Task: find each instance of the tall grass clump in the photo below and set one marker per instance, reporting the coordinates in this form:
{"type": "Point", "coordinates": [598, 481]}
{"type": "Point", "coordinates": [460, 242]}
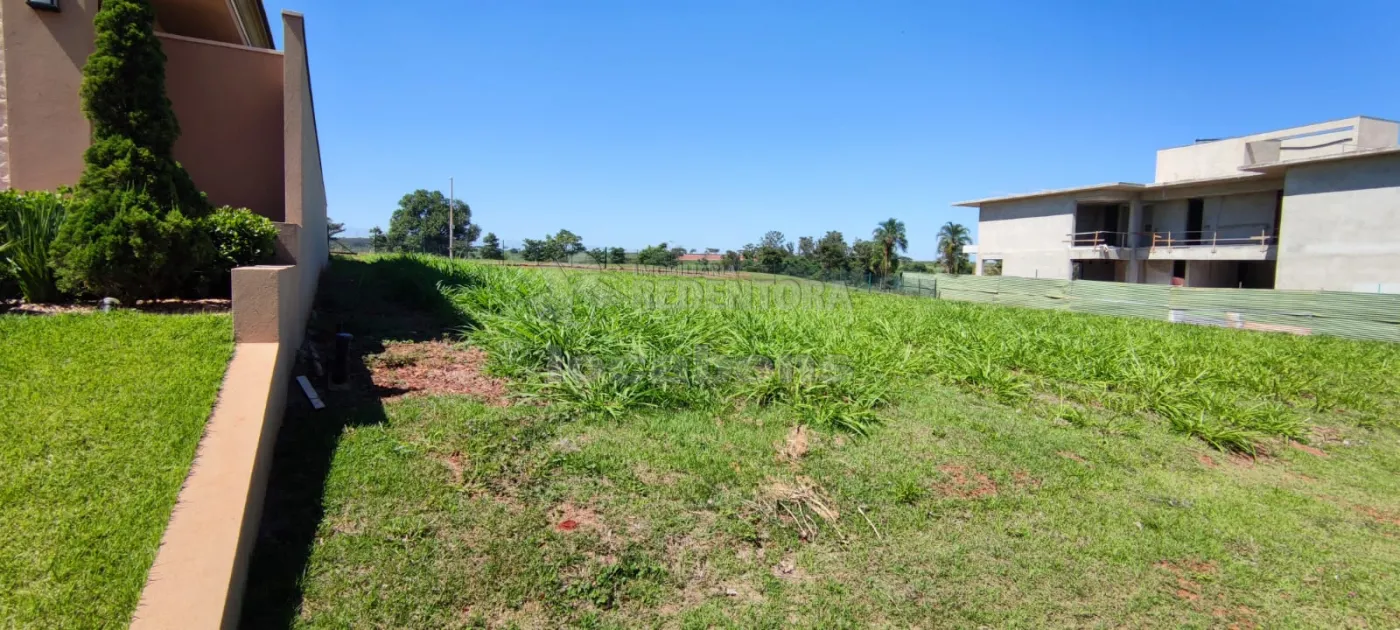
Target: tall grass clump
{"type": "Point", "coordinates": [610, 344]}
{"type": "Point", "coordinates": [29, 223]}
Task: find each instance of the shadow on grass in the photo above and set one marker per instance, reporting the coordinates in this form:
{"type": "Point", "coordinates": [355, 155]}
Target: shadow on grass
{"type": "Point", "coordinates": [386, 299]}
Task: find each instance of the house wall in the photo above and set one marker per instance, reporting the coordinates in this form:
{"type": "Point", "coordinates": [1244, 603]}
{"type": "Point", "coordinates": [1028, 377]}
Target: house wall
{"type": "Point", "coordinates": [1341, 226]}
{"type": "Point", "coordinates": [228, 100]}
{"type": "Point", "coordinates": [44, 56]}
{"type": "Point", "coordinates": [224, 97]}
{"type": "Point", "coordinates": [1029, 236]}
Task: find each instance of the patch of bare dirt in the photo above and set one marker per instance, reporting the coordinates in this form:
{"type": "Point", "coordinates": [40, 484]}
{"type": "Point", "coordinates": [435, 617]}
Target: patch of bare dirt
{"type": "Point", "coordinates": [1184, 570]}
{"type": "Point", "coordinates": [962, 484]}
{"type": "Point", "coordinates": [454, 465]}
{"type": "Point", "coordinates": [788, 569]}
{"type": "Point", "coordinates": [1072, 455]}
{"type": "Point", "coordinates": [172, 307]}
{"type": "Point", "coordinates": [1311, 450]}
{"type": "Point", "coordinates": [1378, 515]}
{"type": "Point", "coordinates": [567, 517]}
{"type": "Point", "coordinates": [799, 503]}
{"type": "Point", "coordinates": [650, 477]}
{"type": "Point", "coordinates": [1207, 461]}
{"type": "Point", "coordinates": [435, 368]}
{"type": "Point", "coordinates": [795, 445]}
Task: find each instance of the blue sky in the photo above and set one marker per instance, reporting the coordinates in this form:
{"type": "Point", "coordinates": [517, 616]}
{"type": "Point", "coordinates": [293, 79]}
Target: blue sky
{"type": "Point", "coordinates": [708, 123]}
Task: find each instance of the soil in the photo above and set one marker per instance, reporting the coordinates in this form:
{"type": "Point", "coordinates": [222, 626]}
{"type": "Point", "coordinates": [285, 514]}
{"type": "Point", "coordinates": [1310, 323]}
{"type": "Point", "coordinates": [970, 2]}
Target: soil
{"type": "Point", "coordinates": [962, 485]}
{"type": "Point", "coordinates": [1311, 450]}
{"type": "Point", "coordinates": [1071, 455]}
{"type": "Point", "coordinates": [792, 448]}
{"type": "Point", "coordinates": [567, 517]}
{"type": "Point", "coordinates": [435, 368]}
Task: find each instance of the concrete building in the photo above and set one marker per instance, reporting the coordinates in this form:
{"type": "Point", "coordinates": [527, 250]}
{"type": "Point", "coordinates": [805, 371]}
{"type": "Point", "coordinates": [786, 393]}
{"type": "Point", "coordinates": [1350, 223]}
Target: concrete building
{"type": "Point", "coordinates": [1311, 207]}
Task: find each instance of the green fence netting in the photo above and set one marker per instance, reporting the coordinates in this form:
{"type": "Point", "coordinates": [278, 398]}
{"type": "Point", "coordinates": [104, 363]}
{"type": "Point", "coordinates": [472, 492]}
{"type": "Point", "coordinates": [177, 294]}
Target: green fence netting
{"type": "Point", "coordinates": [1351, 315]}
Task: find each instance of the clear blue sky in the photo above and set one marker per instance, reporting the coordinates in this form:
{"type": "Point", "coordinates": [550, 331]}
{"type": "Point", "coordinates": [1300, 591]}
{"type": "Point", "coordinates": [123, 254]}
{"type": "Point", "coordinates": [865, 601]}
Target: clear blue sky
{"type": "Point", "coordinates": [708, 123]}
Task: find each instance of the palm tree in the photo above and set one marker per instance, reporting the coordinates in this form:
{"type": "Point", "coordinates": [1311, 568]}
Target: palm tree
{"type": "Point", "coordinates": [890, 234]}
{"type": "Point", "coordinates": [951, 239]}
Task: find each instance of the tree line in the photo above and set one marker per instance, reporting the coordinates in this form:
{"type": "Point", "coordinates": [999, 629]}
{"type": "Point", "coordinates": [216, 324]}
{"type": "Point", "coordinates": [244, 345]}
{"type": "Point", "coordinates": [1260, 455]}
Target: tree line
{"type": "Point", "coordinates": [420, 224]}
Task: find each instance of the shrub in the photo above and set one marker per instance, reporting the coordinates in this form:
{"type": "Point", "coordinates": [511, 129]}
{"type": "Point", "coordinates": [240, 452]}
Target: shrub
{"type": "Point", "coordinates": [29, 223]}
{"type": "Point", "coordinates": [133, 125]}
{"type": "Point", "coordinates": [126, 246]}
{"type": "Point", "coordinates": [132, 231]}
{"type": "Point", "coordinates": [241, 238]}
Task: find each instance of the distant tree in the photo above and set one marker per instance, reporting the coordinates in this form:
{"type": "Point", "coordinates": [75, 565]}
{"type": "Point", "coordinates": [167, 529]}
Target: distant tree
{"type": "Point", "coordinates": [991, 267]}
{"type": "Point", "coordinates": [773, 251]}
{"type": "Point", "coordinates": [711, 250]}
{"type": "Point", "coordinates": [567, 244]}
{"type": "Point", "coordinates": [731, 260]}
{"type": "Point", "coordinates": [599, 256]}
{"type": "Point", "coordinates": [378, 243]}
{"type": "Point", "coordinates": [491, 248]}
{"type": "Point", "coordinates": [420, 224]}
{"type": "Point", "coordinates": [806, 247]}
{"type": "Point", "coordinates": [890, 236]}
{"type": "Point", "coordinates": [660, 255]}
{"type": "Point", "coordinates": [952, 237]}
{"type": "Point", "coordinates": [617, 256]}
{"type": "Point", "coordinates": [832, 253]}
{"type": "Point", "coordinates": [333, 230]}
{"type": "Point", "coordinates": [866, 256]}
{"type": "Point", "coordinates": [537, 251]}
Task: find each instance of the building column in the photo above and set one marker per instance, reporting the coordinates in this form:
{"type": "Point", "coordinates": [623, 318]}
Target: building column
{"type": "Point", "coordinates": [978, 269]}
{"type": "Point", "coordinates": [1134, 226]}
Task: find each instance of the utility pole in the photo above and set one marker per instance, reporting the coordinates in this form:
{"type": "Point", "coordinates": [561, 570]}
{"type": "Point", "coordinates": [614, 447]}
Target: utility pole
{"type": "Point", "coordinates": [451, 211]}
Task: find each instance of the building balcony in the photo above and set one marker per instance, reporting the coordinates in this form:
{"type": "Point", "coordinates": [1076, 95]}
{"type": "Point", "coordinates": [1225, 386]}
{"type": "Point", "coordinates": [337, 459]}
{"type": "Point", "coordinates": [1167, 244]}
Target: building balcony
{"type": "Point", "coordinates": [1203, 245]}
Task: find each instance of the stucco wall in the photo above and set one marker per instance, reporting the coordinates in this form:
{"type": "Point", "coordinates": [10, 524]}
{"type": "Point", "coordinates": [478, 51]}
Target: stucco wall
{"type": "Point", "coordinates": [228, 100]}
{"type": "Point", "coordinates": [305, 194]}
{"type": "Point", "coordinates": [44, 54]}
{"type": "Point", "coordinates": [1029, 236]}
{"type": "Point", "coordinates": [1341, 226]}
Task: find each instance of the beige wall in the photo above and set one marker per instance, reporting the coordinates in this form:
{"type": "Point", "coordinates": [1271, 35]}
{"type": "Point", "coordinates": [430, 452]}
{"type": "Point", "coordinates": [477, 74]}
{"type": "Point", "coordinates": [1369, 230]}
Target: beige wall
{"type": "Point", "coordinates": [1341, 226]}
{"type": "Point", "coordinates": [229, 103]}
{"type": "Point", "coordinates": [44, 56]}
{"type": "Point", "coordinates": [305, 192]}
{"type": "Point", "coordinates": [228, 100]}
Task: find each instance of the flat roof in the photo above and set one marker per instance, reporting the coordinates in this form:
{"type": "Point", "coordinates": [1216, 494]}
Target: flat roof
{"type": "Point", "coordinates": [1109, 186]}
{"type": "Point", "coordinates": [1254, 172]}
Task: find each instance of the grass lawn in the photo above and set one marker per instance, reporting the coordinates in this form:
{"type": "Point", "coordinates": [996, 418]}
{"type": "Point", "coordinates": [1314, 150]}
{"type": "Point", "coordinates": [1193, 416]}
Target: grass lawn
{"type": "Point", "coordinates": [99, 419]}
{"type": "Point", "coordinates": [976, 466]}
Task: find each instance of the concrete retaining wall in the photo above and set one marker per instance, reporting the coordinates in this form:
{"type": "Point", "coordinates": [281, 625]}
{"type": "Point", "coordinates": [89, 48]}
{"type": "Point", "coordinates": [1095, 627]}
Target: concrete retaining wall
{"type": "Point", "coordinates": [199, 573]}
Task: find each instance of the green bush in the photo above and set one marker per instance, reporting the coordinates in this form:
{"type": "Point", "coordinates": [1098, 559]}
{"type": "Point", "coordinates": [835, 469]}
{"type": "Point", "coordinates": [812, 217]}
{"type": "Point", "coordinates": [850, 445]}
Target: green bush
{"type": "Point", "coordinates": [133, 229]}
{"type": "Point", "coordinates": [29, 223]}
{"type": "Point", "coordinates": [124, 245]}
{"type": "Point", "coordinates": [241, 237]}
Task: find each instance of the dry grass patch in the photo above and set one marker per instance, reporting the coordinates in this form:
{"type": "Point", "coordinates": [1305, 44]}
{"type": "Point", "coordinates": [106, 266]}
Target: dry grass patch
{"type": "Point", "coordinates": [435, 368]}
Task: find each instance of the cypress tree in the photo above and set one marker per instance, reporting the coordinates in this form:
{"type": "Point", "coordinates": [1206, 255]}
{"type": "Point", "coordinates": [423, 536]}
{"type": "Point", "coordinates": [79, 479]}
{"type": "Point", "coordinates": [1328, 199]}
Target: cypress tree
{"type": "Point", "coordinates": [134, 230]}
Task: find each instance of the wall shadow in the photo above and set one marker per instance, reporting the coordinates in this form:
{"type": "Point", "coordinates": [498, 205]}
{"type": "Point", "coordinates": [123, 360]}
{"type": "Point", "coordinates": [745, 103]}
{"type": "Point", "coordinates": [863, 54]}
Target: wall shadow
{"type": "Point", "coordinates": [385, 299]}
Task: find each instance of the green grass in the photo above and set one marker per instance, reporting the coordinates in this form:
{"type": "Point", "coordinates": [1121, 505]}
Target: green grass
{"type": "Point", "coordinates": [973, 466]}
{"type": "Point", "coordinates": [99, 419]}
